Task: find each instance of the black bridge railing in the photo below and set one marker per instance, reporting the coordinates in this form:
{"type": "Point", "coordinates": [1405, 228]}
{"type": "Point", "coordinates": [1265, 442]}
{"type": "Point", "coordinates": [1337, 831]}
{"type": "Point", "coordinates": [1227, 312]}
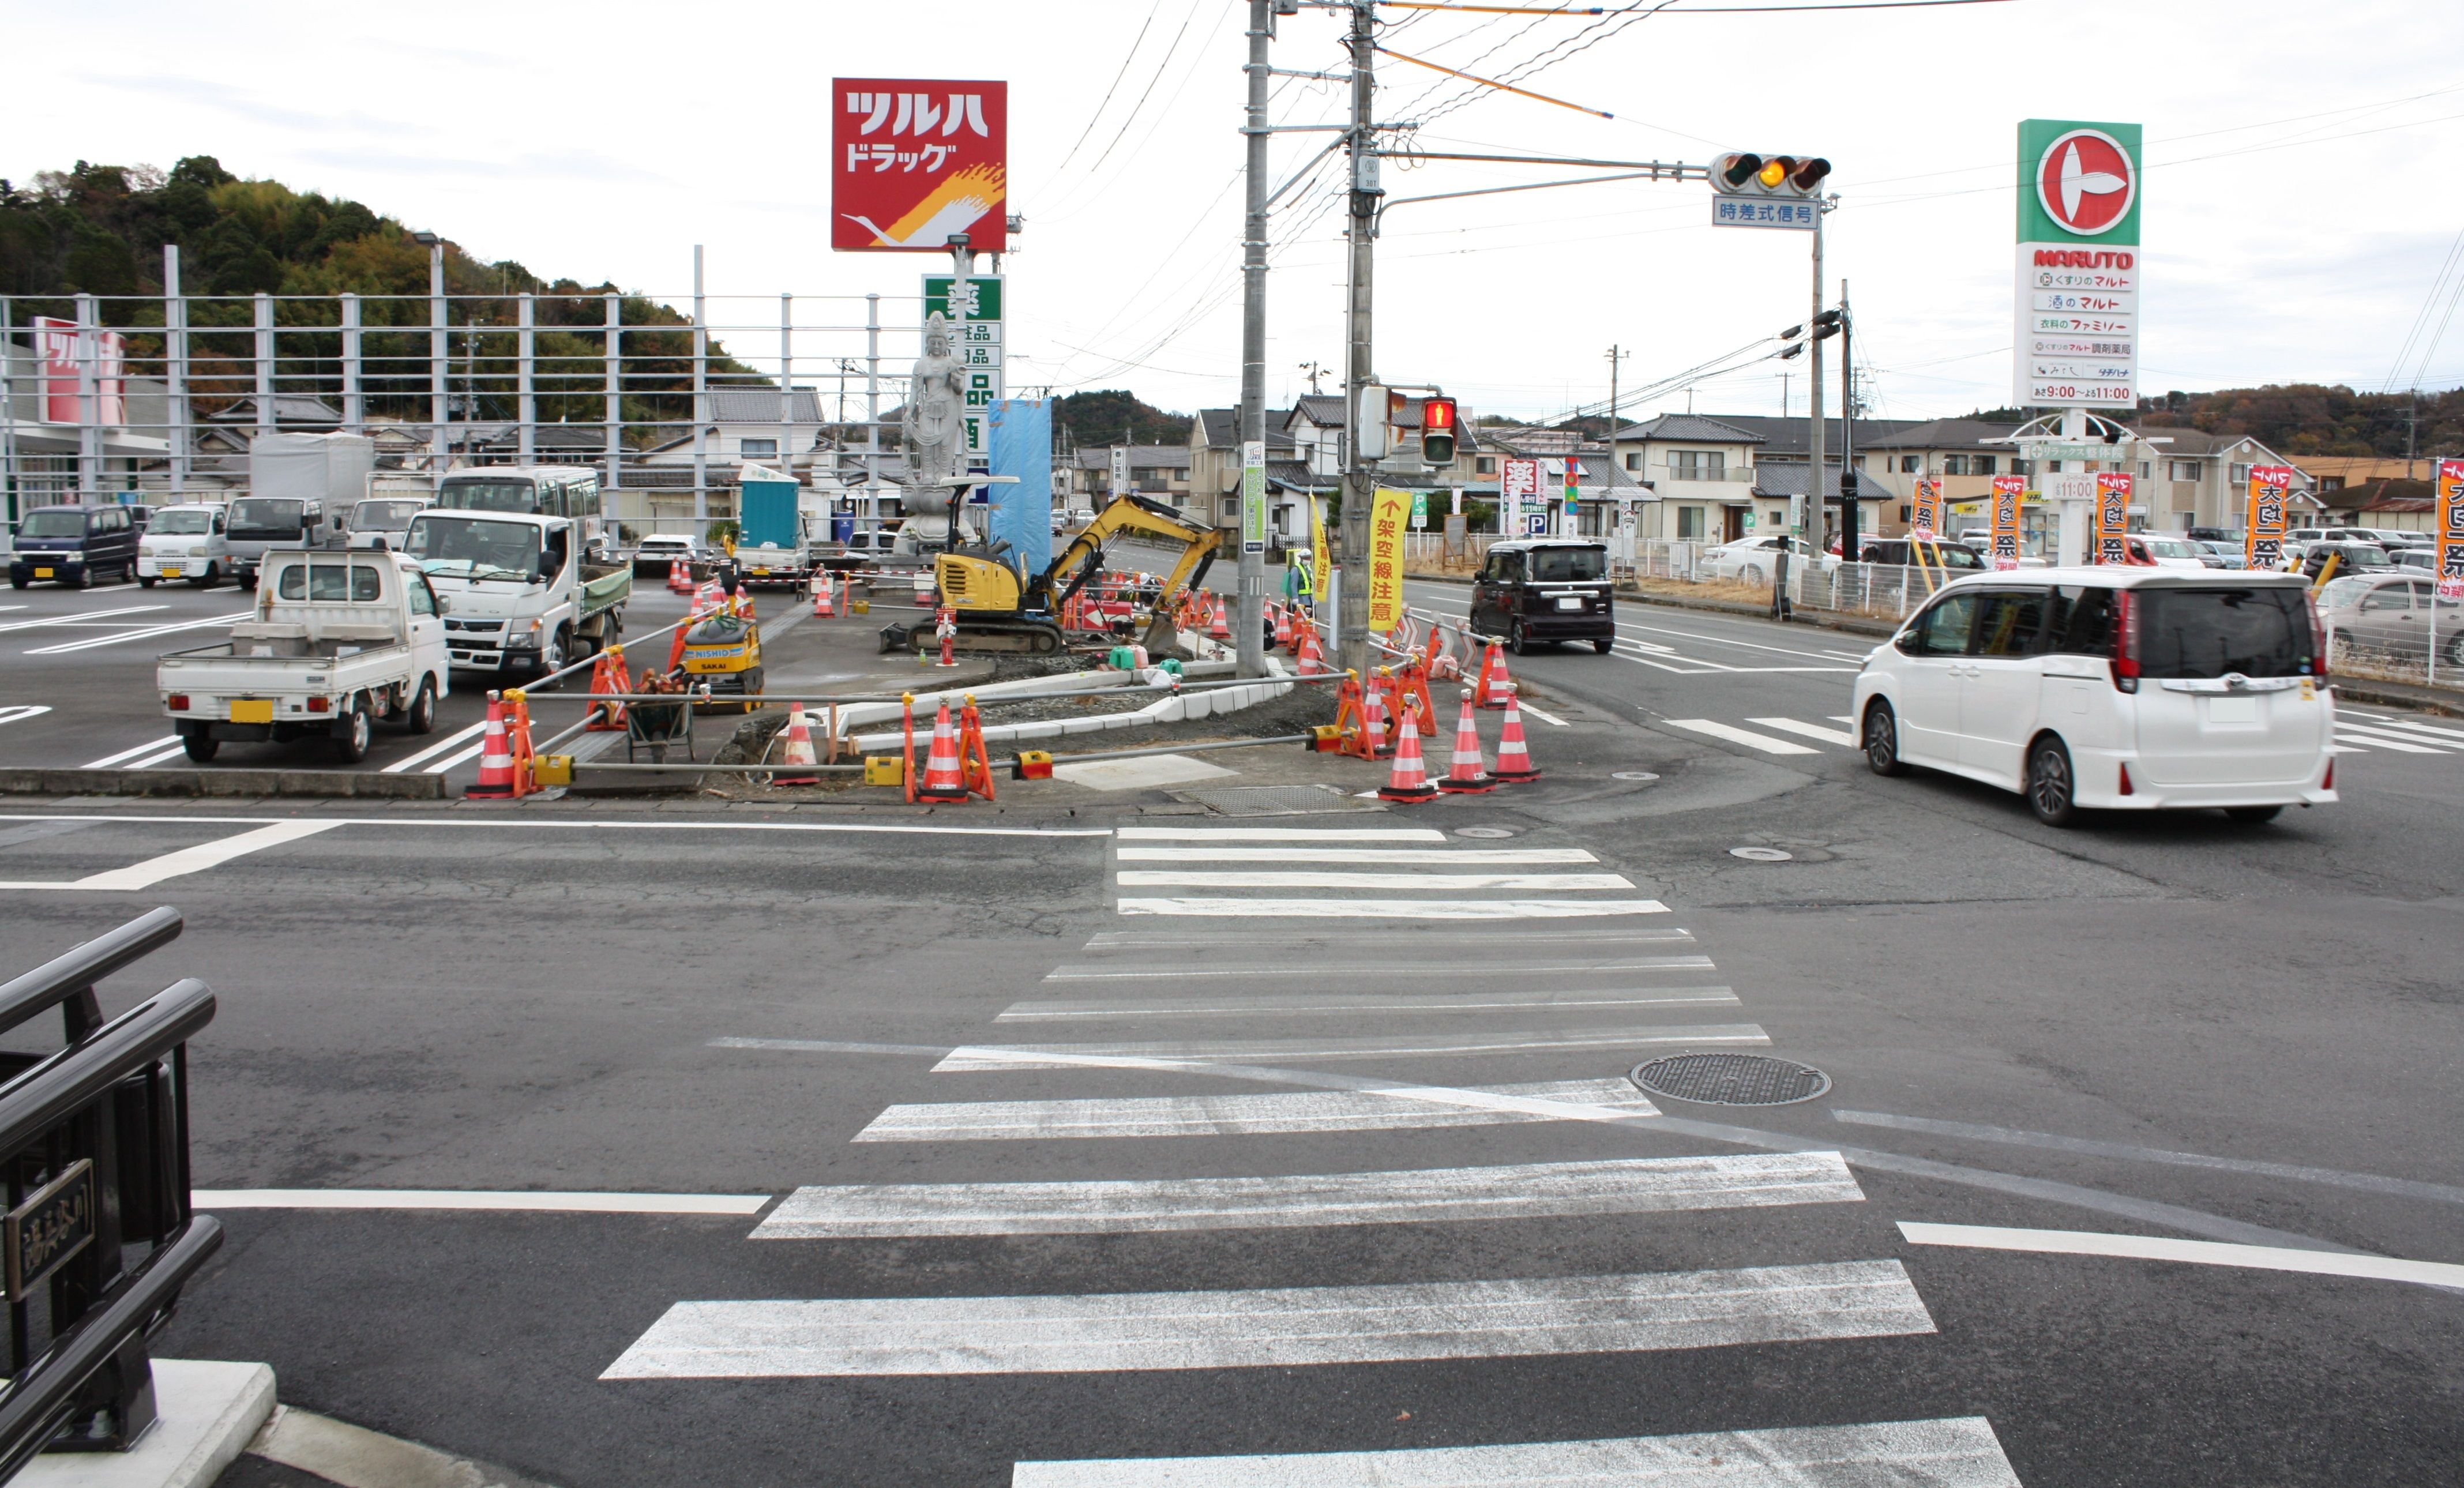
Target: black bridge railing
{"type": "Point", "coordinates": [97, 1237]}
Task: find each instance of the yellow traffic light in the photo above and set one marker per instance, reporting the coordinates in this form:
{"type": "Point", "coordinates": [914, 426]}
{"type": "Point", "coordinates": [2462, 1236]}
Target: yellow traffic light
{"type": "Point", "coordinates": [1773, 172]}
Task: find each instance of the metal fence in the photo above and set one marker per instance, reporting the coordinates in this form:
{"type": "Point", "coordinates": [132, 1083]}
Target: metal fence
{"type": "Point", "coordinates": [98, 1238]}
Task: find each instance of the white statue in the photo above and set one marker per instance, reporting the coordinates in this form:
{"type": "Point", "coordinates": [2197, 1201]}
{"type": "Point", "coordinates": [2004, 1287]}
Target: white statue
{"type": "Point", "coordinates": [937, 402]}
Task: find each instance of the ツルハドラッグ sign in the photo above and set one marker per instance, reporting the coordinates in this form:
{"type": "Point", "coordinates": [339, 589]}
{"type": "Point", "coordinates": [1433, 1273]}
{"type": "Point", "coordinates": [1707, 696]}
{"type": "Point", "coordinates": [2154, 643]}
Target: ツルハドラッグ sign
{"type": "Point", "coordinates": [914, 160]}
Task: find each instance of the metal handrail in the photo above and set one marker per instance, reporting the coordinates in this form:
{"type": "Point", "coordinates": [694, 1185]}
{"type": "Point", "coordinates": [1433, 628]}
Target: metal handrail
{"type": "Point", "coordinates": [64, 977]}
{"type": "Point", "coordinates": [43, 1096]}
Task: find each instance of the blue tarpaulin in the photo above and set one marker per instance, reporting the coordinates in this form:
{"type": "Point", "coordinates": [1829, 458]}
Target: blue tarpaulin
{"type": "Point", "coordinates": [1021, 515]}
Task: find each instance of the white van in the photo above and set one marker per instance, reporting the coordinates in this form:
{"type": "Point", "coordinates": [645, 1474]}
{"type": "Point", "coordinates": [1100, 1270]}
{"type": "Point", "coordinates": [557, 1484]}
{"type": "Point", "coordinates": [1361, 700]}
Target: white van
{"type": "Point", "coordinates": [2111, 687]}
{"type": "Point", "coordinates": [184, 541]}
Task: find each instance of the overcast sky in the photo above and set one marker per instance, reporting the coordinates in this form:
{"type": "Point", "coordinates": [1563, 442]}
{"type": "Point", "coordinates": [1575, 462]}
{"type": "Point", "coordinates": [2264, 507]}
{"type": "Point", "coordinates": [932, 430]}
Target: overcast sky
{"type": "Point", "coordinates": [2299, 201]}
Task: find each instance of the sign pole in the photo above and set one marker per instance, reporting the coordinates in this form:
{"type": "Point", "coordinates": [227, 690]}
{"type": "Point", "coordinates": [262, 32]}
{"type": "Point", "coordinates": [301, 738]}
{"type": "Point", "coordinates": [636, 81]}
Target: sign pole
{"type": "Point", "coordinates": [1248, 633]}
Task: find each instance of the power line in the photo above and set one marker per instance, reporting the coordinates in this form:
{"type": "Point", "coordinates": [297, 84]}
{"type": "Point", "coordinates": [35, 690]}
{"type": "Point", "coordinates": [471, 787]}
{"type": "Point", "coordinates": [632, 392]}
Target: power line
{"type": "Point", "coordinates": [1125, 59]}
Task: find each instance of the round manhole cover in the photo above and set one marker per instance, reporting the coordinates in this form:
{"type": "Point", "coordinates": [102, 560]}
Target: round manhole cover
{"type": "Point", "coordinates": [1731, 1079]}
{"type": "Point", "coordinates": [1761, 853]}
{"type": "Point", "coordinates": [1633, 775]}
{"type": "Point", "coordinates": [1483, 832]}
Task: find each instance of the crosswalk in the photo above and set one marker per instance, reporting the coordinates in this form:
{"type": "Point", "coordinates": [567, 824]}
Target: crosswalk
{"type": "Point", "coordinates": [2358, 731]}
{"type": "Point", "coordinates": [1538, 971]}
{"type": "Point", "coordinates": [1804, 737]}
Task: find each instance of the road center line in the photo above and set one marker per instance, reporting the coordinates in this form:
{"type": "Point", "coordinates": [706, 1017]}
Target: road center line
{"type": "Point", "coordinates": [529, 1201]}
{"type": "Point", "coordinates": [203, 856]}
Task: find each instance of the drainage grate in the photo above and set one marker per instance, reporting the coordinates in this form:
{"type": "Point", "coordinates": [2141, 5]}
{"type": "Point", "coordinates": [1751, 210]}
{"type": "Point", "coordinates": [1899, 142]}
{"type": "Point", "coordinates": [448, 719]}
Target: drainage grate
{"type": "Point", "coordinates": [1274, 801]}
{"type": "Point", "coordinates": [1731, 1079]}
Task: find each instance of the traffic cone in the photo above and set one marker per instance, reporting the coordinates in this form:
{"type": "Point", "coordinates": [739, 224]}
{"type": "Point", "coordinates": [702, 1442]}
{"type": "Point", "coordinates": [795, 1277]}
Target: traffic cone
{"type": "Point", "coordinates": [1495, 686]}
{"type": "Point", "coordinates": [742, 603]}
{"type": "Point", "coordinates": [1410, 781]}
{"type": "Point", "coordinates": [1312, 659]}
{"type": "Point", "coordinates": [1372, 716]}
{"type": "Point", "coordinates": [1513, 758]}
{"type": "Point", "coordinates": [679, 576]}
{"type": "Point", "coordinates": [823, 584]}
{"type": "Point", "coordinates": [943, 778]}
{"type": "Point", "coordinates": [799, 749]}
{"type": "Point", "coordinates": [1284, 627]}
{"type": "Point", "coordinates": [496, 781]}
{"type": "Point", "coordinates": [709, 596]}
{"type": "Point", "coordinates": [1219, 627]}
{"type": "Point", "coordinates": [1469, 775]}
{"type": "Point", "coordinates": [608, 675]}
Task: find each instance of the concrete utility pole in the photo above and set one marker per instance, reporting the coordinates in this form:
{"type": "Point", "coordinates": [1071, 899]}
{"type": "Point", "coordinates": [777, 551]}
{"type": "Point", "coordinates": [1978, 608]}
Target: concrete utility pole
{"type": "Point", "coordinates": [1249, 629]}
{"type": "Point", "coordinates": [1360, 474]}
{"type": "Point", "coordinates": [1616, 354]}
{"type": "Point", "coordinates": [1848, 512]}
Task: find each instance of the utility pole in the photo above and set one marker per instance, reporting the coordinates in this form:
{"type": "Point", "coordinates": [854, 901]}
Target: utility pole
{"type": "Point", "coordinates": [1616, 354]}
{"type": "Point", "coordinates": [1248, 631]}
{"type": "Point", "coordinates": [1848, 512]}
{"type": "Point", "coordinates": [1360, 475]}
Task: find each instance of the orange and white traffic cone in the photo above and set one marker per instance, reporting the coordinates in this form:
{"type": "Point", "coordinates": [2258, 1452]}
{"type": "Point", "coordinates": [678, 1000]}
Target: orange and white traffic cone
{"type": "Point", "coordinates": [679, 576]}
{"type": "Point", "coordinates": [496, 781]}
{"type": "Point", "coordinates": [1373, 718]}
{"type": "Point", "coordinates": [1514, 756]}
{"type": "Point", "coordinates": [943, 778]}
{"type": "Point", "coordinates": [799, 752]}
{"type": "Point", "coordinates": [741, 604]}
{"type": "Point", "coordinates": [822, 607]}
{"type": "Point", "coordinates": [1469, 775]}
{"type": "Point", "coordinates": [1410, 780]}
{"type": "Point", "coordinates": [1312, 658]}
{"type": "Point", "coordinates": [1284, 627]}
{"type": "Point", "coordinates": [1495, 686]}
{"type": "Point", "coordinates": [1219, 627]}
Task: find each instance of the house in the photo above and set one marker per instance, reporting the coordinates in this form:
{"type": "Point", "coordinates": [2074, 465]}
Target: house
{"type": "Point", "coordinates": [1215, 472]}
{"type": "Point", "coordinates": [1701, 472]}
{"type": "Point", "coordinates": [1157, 471]}
{"type": "Point", "coordinates": [747, 423]}
{"type": "Point", "coordinates": [2182, 477]}
{"type": "Point", "coordinates": [2335, 472]}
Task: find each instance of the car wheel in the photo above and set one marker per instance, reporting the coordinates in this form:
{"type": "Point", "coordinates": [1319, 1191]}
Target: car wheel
{"type": "Point", "coordinates": [143, 583]}
{"type": "Point", "coordinates": [422, 717]}
{"type": "Point", "coordinates": [15, 582]}
{"type": "Point", "coordinates": [552, 656]}
{"type": "Point", "coordinates": [211, 576]}
{"type": "Point", "coordinates": [2050, 786]}
{"type": "Point", "coordinates": [83, 580]}
{"type": "Point", "coordinates": [1754, 576]}
{"type": "Point", "coordinates": [201, 746]}
{"type": "Point", "coordinates": [2456, 652]}
{"type": "Point", "coordinates": [352, 746]}
{"type": "Point", "coordinates": [1517, 640]}
{"type": "Point", "coordinates": [1603, 646]}
{"type": "Point", "coordinates": [2252, 816]}
{"type": "Point", "coordinates": [1882, 740]}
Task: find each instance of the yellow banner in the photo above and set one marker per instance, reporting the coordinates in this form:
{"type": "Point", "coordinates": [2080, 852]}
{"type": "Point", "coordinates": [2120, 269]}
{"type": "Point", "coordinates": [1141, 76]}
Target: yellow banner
{"type": "Point", "coordinates": [1387, 516]}
{"type": "Point", "coordinates": [1318, 571]}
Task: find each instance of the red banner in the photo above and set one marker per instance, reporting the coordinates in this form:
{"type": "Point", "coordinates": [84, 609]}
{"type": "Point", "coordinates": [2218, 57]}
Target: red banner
{"type": "Point", "coordinates": [2451, 529]}
{"type": "Point", "coordinates": [2269, 487]}
{"type": "Point", "coordinates": [56, 340]}
{"type": "Point", "coordinates": [2112, 518]}
{"type": "Point", "coordinates": [2007, 491]}
{"type": "Point", "coordinates": [915, 160]}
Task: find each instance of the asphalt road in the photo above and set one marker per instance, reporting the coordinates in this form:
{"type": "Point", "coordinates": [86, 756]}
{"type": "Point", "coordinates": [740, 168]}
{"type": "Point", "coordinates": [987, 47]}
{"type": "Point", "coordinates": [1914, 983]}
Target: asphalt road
{"type": "Point", "coordinates": [974, 1096]}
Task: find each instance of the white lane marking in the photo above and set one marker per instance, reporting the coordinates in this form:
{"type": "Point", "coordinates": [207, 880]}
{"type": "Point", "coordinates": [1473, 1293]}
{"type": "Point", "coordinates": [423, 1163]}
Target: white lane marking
{"type": "Point", "coordinates": [1228, 1115]}
{"type": "Point", "coordinates": [1326, 1005]}
{"type": "Point", "coordinates": [1523, 1191]}
{"type": "Point", "coordinates": [2197, 1253]}
{"type": "Point", "coordinates": [523, 1200]}
{"type": "Point", "coordinates": [459, 757]}
{"type": "Point", "coordinates": [2409, 726]}
{"type": "Point", "coordinates": [1404, 972]}
{"type": "Point", "coordinates": [1376, 941]}
{"type": "Point", "coordinates": [1199, 906]}
{"type": "Point", "coordinates": [149, 746]}
{"type": "Point", "coordinates": [1750, 646]}
{"type": "Point", "coordinates": [2378, 740]}
{"type": "Point", "coordinates": [1543, 716]}
{"type": "Point", "coordinates": [1806, 730]}
{"type": "Point", "coordinates": [436, 748]}
{"type": "Point", "coordinates": [2345, 749]}
{"type": "Point", "coordinates": [1407, 855]}
{"type": "Point", "coordinates": [23, 711]}
{"type": "Point", "coordinates": [1841, 718]}
{"type": "Point", "coordinates": [203, 856]}
{"type": "Point", "coordinates": [1736, 735]}
{"type": "Point", "coordinates": [152, 761]}
{"type": "Point", "coordinates": [1277, 834]}
{"type": "Point", "coordinates": [1274, 1326]}
{"type": "Point", "coordinates": [146, 634]}
{"type": "Point", "coordinates": [535, 824]}
{"type": "Point", "coordinates": [81, 617]}
{"type": "Point", "coordinates": [1242, 1051]}
{"type": "Point", "coordinates": [1682, 671]}
{"type": "Point", "coordinates": [1181, 878]}
{"type": "Point", "coordinates": [1956, 1451]}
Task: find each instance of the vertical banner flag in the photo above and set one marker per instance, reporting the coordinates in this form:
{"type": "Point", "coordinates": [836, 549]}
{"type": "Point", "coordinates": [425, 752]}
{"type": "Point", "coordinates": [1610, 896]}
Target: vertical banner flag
{"type": "Point", "coordinates": [1317, 549]}
{"type": "Point", "coordinates": [2076, 299]}
{"type": "Point", "coordinates": [914, 160]}
{"type": "Point", "coordinates": [2007, 491]}
{"type": "Point", "coordinates": [1929, 509]}
{"type": "Point", "coordinates": [1121, 482]}
{"type": "Point", "coordinates": [2112, 518]}
{"type": "Point", "coordinates": [2451, 529]}
{"type": "Point", "coordinates": [1521, 480]}
{"type": "Point", "coordinates": [1574, 506]}
{"type": "Point", "coordinates": [2269, 485]}
{"type": "Point", "coordinates": [1386, 516]}
{"type": "Point", "coordinates": [1253, 495]}
{"type": "Point", "coordinates": [57, 343]}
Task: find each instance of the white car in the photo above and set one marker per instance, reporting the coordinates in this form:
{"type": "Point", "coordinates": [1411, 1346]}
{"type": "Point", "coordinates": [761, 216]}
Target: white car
{"type": "Point", "coordinates": [184, 541]}
{"type": "Point", "coordinates": [2113, 688]}
{"type": "Point", "coordinates": [1753, 560]}
{"type": "Point", "coordinates": [2172, 552]}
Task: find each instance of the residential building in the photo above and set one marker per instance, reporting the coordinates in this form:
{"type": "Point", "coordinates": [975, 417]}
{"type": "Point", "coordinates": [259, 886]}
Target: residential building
{"type": "Point", "coordinates": [1160, 472]}
{"type": "Point", "coordinates": [1215, 474]}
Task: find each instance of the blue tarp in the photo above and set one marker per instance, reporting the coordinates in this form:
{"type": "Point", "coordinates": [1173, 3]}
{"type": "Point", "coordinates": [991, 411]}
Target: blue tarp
{"type": "Point", "coordinates": [1021, 515]}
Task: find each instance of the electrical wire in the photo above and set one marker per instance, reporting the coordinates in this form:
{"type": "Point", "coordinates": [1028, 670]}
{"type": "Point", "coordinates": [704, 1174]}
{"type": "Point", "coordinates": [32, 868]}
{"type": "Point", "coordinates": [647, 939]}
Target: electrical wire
{"type": "Point", "coordinates": [1092, 119]}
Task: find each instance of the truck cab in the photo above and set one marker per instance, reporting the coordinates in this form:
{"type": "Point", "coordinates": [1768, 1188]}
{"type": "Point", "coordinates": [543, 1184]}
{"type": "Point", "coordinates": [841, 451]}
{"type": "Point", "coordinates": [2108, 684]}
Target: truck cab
{"type": "Point", "coordinates": [256, 525]}
{"type": "Point", "coordinates": [524, 596]}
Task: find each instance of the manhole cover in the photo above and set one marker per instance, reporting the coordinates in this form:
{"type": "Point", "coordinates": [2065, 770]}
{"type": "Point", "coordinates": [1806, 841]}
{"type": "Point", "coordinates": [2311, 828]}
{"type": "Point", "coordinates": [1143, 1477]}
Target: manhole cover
{"type": "Point", "coordinates": [1483, 832]}
{"type": "Point", "coordinates": [1761, 853]}
{"type": "Point", "coordinates": [1731, 1079]}
{"type": "Point", "coordinates": [1272, 800]}
{"type": "Point", "coordinates": [1633, 775]}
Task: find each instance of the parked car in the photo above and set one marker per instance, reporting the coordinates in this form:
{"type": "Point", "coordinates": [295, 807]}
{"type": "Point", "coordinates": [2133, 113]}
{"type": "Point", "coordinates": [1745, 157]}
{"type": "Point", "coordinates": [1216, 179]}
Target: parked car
{"type": "Point", "coordinates": [2351, 558]}
{"type": "Point", "coordinates": [2393, 614]}
{"type": "Point", "coordinates": [382, 521]}
{"type": "Point", "coordinates": [1753, 560]}
{"type": "Point", "coordinates": [654, 553]}
{"type": "Point", "coordinates": [184, 541]}
{"type": "Point", "coordinates": [76, 545]}
{"type": "Point", "coordinates": [2155, 550]}
{"type": "Point", "coordinates": [1909, 553]}
{"type": "Point", "coordinates": [2118, 687]}
{"type": "Point", "coordinates": [2217, 554]}
{"type": "Point", "coordinates": [2419, 559]}
{"type": "Point", "coordinates": [1538, 589]}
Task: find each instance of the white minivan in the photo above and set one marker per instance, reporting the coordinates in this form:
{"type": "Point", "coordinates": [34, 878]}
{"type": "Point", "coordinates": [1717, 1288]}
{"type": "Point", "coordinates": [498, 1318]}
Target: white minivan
{"type": "Point", "coordinates": [184, 541]}
{"type": "Point", "coordinates": [2113, 688]}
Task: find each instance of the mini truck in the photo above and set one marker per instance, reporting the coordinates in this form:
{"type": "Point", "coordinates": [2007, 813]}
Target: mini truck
{"type": "Point", "coordinates": [338, 642]}
{"type": "Point", "coordinates": [524, 596]}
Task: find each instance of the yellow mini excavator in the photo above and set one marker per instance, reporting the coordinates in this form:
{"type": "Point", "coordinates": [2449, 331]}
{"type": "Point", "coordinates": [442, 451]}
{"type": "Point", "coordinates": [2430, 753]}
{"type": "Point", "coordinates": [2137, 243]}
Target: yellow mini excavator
{"type": "Point", "coordinates": [1000, 607]}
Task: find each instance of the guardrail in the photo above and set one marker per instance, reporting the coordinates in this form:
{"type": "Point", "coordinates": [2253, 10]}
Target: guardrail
{"type": "Point", "coordinates": [98, 1236]}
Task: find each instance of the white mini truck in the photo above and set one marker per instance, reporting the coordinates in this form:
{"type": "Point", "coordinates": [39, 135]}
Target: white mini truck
{"type": "Point", "coordinates": [339, 639]}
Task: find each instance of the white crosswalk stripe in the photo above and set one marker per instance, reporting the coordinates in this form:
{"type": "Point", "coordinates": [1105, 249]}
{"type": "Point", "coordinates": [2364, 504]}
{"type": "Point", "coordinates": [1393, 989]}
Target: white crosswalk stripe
{"type": "Point", "coordinates": [1382, 971]}
{"type": "Point", "coordinates": [2384, 739]}
{"type": "Point", "coordinates": [1248, 1050]}
{"type": "Point", "coordinates": [1712, 729]}
{"type": "Point", "coordinates": [1229, 1115]}
{"type": "Point", "coordinates": [1391, 909]}
{"type": "Point", "coordinates": [1809, 730]}
{"type": "Point", "coordinates": [1318, 1004]}
{"type": "Point", "coordinates": [1266, 1327]}
{"type": "Point", "coordinates": [1959, 1452]}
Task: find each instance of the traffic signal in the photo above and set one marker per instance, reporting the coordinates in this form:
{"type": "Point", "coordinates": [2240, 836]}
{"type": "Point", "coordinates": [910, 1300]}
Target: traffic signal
{"type": "Point", "coordinates": [1438, 432]}
{"type": "Point", "coordinates": [1742, 174]}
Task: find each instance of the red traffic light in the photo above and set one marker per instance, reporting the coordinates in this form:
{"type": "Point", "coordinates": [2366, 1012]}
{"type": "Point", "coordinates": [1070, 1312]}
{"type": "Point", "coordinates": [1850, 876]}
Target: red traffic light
{"type": "Point", "coordinates": [1438, 432]}
{"type": "Point", "coordinates": [1437, 413]}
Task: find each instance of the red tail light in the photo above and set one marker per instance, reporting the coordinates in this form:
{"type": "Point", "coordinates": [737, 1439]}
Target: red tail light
{"type": "Point", "coordinates": [2125, 650]}
{"type": "Point", "coordinates": [320, 705]}
{"type": "Point", "coordinates": [177, 702]}
{"type": "Point", "coordinates": [2126, 780]}
{"type": "Point", "coordinates": [2329, 784]}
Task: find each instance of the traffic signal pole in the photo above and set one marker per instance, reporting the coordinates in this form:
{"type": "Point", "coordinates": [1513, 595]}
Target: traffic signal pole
{"type": "Point", "coordinates": [1849, 543]}
{"type": "Point", "coordinates": [1249, 631]}
{"type": "Point", "coordinates": [1359, 473]}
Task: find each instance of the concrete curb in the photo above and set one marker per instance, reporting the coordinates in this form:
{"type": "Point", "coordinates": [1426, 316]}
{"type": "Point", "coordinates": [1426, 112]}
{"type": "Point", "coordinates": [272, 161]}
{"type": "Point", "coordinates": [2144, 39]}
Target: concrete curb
{"type": "Point", "coordinates": [207, 1410]}
{"type": "Point", "coordinates": [356, 1457]}
{"type": "Point", "coordinates": [1170, 708]}
{"type": "Point", "coordinates": [2397, 694]}
{"type": "Point", "coordinates": [365, 783]}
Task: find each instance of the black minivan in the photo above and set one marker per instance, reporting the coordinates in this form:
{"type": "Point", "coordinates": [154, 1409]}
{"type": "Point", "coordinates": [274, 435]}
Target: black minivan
{"type": "Point", "coordinates": [1537, 589]}
{"type": "Point", "coordinates": [77, 545]}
